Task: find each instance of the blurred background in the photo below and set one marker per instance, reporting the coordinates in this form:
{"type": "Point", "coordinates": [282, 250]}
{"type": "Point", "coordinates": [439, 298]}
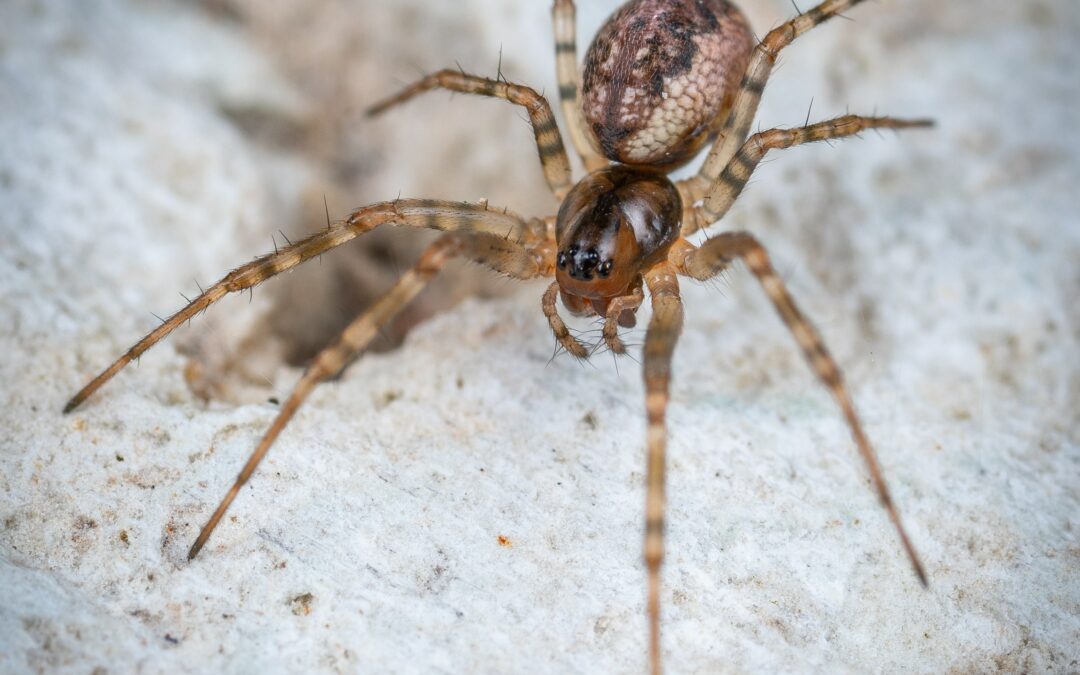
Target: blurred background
{"type": "Point", "coordinates": [290, 81]}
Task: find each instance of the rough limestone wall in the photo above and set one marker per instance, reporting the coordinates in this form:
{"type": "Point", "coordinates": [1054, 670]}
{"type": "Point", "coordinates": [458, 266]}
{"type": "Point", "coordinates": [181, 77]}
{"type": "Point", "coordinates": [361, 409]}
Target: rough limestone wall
{"type": "Point", "coordinates": [462, 504]}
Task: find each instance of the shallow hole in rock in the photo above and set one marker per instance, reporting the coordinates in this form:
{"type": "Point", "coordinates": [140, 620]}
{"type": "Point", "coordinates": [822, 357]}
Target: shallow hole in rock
{"type": "Point", "coordinates": [343, 156]}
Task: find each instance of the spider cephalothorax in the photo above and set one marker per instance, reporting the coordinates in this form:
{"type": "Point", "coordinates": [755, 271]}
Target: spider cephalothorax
{"type": "Point", "coordinates": [661, 79]}
{"type": "Point", "coordinates": [614, 223]}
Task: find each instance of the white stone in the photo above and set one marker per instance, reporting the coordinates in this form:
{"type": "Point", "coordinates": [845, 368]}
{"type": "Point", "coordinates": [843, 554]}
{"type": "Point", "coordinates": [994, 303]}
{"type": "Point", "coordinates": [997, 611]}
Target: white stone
{"type": "Point", "coordinates": [940, 266]}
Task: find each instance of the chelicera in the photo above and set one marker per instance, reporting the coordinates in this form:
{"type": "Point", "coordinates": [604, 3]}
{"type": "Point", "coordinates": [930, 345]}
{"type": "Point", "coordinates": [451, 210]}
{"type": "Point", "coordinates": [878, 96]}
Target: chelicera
{"type": "Point", "coordinates": [662, 80]}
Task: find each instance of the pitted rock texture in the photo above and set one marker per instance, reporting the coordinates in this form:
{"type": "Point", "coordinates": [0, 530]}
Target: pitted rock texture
{"type": "Point", "coordinates": [467, 503]}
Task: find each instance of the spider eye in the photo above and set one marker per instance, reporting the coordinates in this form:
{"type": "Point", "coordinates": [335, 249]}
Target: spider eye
{"type": "Point", "coordinates": [605, 268]}
{"type": "Point", "coordinates": [561, 260]}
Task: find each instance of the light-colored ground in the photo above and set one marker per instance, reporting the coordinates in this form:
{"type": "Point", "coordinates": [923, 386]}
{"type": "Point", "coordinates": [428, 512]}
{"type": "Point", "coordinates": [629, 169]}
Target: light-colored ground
{"type": "Point", "coordinates": [461, 504]}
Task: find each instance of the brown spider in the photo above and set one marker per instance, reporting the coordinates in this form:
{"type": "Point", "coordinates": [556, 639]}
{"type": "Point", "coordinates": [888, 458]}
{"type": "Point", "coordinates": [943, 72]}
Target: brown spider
{"type": "Point", "coordinates": [661, 79]}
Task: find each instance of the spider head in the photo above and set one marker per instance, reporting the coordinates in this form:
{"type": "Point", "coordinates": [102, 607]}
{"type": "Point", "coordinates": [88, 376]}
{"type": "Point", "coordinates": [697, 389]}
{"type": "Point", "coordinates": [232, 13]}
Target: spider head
{"type": "Point", "coordinates": [615, 222]}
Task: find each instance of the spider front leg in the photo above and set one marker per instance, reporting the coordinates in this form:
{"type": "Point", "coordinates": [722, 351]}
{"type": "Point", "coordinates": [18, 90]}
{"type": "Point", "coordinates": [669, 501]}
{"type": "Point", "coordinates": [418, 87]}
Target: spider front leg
{"type": "Point", "coordinates": [563, 16]}
{"type": "Point", "coordinates": [426, 213]}
{"type": "Point", "coordinates": [501, 255]}
{"type": "Point", "coordinates": [549, 142]}
{"type": "Point", "coordinates": [571, 344]}
{"type": "Point", "coordinates": [718, 253]}
{"type": "Point", "coordinates": [731, 181]}
{"type": "Point", "coordinates": [737, 126]}
{"type": "Point", "coordinates": [664, 328]}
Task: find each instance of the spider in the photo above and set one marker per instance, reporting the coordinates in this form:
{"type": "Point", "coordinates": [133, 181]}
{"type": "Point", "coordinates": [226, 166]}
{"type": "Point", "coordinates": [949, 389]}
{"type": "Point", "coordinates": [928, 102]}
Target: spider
{"type": "Point", "coordinates": [661, 80]}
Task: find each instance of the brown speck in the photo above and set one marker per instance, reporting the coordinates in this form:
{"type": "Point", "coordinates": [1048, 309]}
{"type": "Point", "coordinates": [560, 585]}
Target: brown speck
{"type": "Point", "coordinates": [124, 536]}
{"type": "Point", "coordinates": [301, 604]}
{"type": "Point", "coordinates": [85, 523]}
{"type": "Point", "coordinates": [79, 424]}
{"type": "Point", "coordinates": [505, 541]}
{"type": "Point", "coordinates": [590, 420]}
{"type": "Point", "coordinates": [602, 624]}
{"type": "Point", "coordinates": [387, 398]}
{"type": "Point", "coordinates": [119, 457]}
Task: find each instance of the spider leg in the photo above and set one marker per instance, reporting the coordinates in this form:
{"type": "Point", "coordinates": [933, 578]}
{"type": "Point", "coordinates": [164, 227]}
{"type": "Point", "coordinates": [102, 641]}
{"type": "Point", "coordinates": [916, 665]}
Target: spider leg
{"type": "Point", "coordinates": [500, 254]}
{"type": "Point", "coordinates": [571, 344]}
{"type": "Point", "coordinates": [731, 181]}
{"type": "Point", "coordinates": [663, 332]}
{"type": "Point", "coordinates": [713, 257]}
{"type": "Point", "coordinates": [615, 308]}
{"type": "Point", "coordinates": [563, 15]}
{"type": "Point", "coordinates": [425, 213]}
{"type": "Point", "coordinates": [737, 126]}
{"type": "Point", "coordinates": [549, 142]}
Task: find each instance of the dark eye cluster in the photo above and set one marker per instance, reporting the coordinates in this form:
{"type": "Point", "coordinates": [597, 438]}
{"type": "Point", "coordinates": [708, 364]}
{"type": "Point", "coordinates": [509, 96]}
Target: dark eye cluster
{"type": "Point", "coordinates": [581, 264]}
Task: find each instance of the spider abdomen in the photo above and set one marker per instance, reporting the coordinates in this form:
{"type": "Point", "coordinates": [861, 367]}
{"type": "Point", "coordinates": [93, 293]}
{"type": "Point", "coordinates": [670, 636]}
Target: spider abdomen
{"type": "Point", "coordinates": [660, 77]}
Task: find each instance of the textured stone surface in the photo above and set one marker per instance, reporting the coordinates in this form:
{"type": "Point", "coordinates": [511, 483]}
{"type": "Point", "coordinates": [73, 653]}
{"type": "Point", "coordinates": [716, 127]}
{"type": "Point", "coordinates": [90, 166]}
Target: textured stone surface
{"type": "Point", "coordinates": [462, 504]}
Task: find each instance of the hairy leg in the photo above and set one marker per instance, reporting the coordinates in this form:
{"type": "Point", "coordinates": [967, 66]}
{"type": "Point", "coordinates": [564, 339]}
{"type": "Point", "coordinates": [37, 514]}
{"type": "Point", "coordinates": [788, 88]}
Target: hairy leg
{"type": "Point", "coordinates": [571, 344]}
{"type": "Point", "coordinates": [731, 181]}
{"type": "Point", "coordinates": [563, 15]}
{"type": "Point", "coordinates": [718, 253]}
{"type": "Point", "coordinates": [660, 339]}
{"type": "Point", "coordinates": [549, 142]}
{"type": "Point", "coordinates": [433, 214]}
{"type": "Point", "coordinates": [737, 126]}
{"type": "Point", "coordinates": [502, 255]}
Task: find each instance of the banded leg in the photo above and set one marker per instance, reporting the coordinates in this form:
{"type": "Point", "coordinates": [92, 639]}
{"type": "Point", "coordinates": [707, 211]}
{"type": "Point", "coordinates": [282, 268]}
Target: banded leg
{"type": "Point", "coordinates": [733, 178]}
{"type": "Point", "coordinates": [549, 142]}
{"type": "Point", "coordinates": [712, 258]}
{"type": "Point", "coordinates": [614, 312]}
{"type": "Point", "coordinates": [500, 254]}
{"type": "Point", "coordinates": [433, 214]}
{"type": "Point", "coordinates": [660, 339]}
{"type": "Point", "coordinates": [563, 16]}
{"type": "Point", "coordinates": [571, 344]}
{"type": "Point", "coordinates": [737, 126]}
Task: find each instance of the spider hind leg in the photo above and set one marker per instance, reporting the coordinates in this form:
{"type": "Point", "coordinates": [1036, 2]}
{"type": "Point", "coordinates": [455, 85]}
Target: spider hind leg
{"type": "Point", "coordinates": [501, 255]}
{"type": "Point", "coordinates": [717, 254]}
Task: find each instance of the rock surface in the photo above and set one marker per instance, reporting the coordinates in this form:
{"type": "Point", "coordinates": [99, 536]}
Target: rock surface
{"type": "Point", "coordinates": [463, 505]}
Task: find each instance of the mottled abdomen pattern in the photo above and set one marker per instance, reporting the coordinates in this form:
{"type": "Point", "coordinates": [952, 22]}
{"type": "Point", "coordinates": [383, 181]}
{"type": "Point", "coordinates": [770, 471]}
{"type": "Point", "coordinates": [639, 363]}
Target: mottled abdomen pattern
{"type": "Point", "coordinates": [661, 75]}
